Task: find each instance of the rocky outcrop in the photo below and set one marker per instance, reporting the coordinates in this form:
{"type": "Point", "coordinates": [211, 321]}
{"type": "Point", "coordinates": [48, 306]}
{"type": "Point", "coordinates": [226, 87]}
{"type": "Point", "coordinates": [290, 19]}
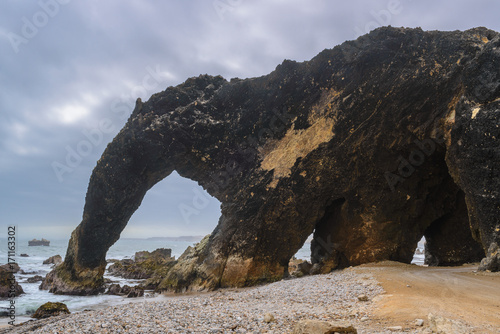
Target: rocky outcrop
{"type": "Point", "coordinates": [440, 325]}
{"type": "Point", "coordinates": [127, 291]}
{"type": "Point", "coordinates": [12, 267]}
{"type": "Point", "coordinates": [492, 260]}
{"type": "Point", "coordinates": [9, 287]}
{"type": "Point", "coordinates": [50, 310]}
{"type": "Point", "coordinates": [35, 279]}
{"type": "Point", "coordinates": [369, 145]}
{"type": "Point", "coordinates": [144, 264]}
{"type": "Point", "coordinates": [55, 260]}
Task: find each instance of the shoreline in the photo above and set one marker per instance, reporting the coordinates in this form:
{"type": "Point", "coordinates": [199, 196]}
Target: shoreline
{"type": "Point", "coordinates": [398, 294]}
{"type": "Point", "coordinates": [329, 297]}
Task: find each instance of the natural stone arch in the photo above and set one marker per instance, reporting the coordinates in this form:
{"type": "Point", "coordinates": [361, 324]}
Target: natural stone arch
{"type": "Point", "coordinates": [371, 140]}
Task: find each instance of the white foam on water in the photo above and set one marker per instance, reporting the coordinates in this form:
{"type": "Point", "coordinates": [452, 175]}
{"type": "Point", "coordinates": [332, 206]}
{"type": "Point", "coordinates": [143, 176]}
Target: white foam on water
{"type": "Point", "coordinates": [33, 297]}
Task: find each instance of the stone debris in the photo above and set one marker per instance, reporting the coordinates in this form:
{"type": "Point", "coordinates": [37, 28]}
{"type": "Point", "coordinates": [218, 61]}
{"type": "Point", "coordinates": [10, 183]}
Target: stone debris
{"type": "Point", "coordinates": [442, 325]}
{"type": "Point", "coordinates": [268, 318]}
{"type": "Point", "coordinates": [363, 298]}
{"type": "Point", "coordinates": [322, 327]}
{"type": "Point", "coordinates": [281, 307]}
{"type": "Point", "coordinates": [395, 328]}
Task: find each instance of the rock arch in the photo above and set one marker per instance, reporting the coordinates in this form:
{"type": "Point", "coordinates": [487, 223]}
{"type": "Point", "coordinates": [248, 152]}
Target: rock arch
{"type": "Point", "coordinates": [368, 143]}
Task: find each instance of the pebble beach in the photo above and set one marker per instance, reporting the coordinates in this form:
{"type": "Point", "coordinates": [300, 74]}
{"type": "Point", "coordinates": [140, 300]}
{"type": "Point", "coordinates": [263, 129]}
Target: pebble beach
{"type": "Point", "coordinates": [271, 308]}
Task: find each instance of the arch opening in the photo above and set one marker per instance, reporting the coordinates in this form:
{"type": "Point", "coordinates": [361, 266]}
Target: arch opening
{"type": "Point", "coordinates": [449, 240]}
{"type": "Point", "coordinates": [174, 207]}
{"type": "Point", "coordinates": [419, 254]}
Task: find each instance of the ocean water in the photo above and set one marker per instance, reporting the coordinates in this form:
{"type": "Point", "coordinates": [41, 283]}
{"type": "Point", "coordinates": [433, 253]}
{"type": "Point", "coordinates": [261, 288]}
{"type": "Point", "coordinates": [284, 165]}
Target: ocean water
{"type": "Point", "coordinates": [418, 257]}
{"type": "Point", "coordinates": [27, 303]}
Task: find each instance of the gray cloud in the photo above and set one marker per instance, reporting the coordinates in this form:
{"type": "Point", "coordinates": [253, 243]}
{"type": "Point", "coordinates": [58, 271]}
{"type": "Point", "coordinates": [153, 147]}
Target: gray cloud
{"type": "Point", "coordinates": [84, 63]}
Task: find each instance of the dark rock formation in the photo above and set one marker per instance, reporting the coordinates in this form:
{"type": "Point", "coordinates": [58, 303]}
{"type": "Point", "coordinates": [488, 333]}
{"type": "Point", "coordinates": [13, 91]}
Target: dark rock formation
{"type": "Point", "coordinates": [114, 289]}
{"type": "Point", "coordinates": [492, 260]}
{"type": "Point", "coordinates": [50, 310]}
{"type": "Point", "coordinates": [449, 240]}
{"type": "Point", "coordinates": [135, 292]}
{"type": "Point", "coordinates": [9, 287]}
{"type": "Point", "coordinates": [12, 267]}
{"type": "Point", "coordinates": [370, 145]}
{"type": "Point", "coordinates": [129, 292]}
{"type": "Point", "coordinates": [34, 279]}
{"type": "Point", "coordinates": [160, 253]}
{"type": "Point", "coordinates": [24, 255]}
{"type": "Point", "coordinates": [36, 242]}
{"type": "Point", "coordinates": [144, 265]}
{"type": "Point", "coordinates": [56, 259]}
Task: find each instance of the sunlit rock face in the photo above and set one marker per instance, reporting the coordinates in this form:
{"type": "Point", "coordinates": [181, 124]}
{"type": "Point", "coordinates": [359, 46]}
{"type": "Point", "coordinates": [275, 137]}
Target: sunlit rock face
{"type": "Point", "coordinates": [370, 145]}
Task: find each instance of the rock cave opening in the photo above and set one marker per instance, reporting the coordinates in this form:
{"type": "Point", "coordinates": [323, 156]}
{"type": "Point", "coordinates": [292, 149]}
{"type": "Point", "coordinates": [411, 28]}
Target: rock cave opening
{"type": "Point", "coordinates": [449, 240]}
{"type": "Point", "coordinates": [325, 254]}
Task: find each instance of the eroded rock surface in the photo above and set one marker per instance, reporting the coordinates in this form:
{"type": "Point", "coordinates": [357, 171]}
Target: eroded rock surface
{"type": "Point", "coordinates": [144, 264]}
{"type": "Point", "coordinates": [9, 287]}
{"type": "Point", "coordinates": [55, 260]}
{"type": "Point", "coordinates": [370, 145]}
{"type": "Point", "coordinates": [50, 309]}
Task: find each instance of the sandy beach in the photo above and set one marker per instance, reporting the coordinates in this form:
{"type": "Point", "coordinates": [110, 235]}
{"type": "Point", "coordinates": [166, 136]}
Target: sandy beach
{"type": "Point", "coordinates": [398, 294]}
{"type": "Point", "coordinates": [459, 293]}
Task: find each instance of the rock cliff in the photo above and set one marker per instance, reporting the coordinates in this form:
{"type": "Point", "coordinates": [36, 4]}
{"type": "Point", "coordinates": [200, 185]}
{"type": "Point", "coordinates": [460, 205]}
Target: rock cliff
{"type": "Point", "coordinates": [369, 146]}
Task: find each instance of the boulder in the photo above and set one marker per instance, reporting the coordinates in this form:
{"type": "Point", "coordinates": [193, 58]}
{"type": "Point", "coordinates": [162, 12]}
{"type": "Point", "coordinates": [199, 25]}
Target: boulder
{"type": "Point", "coordinates": [125, 290]}
{"type": "Point", "coordinates": [144, 265]}
{"type": "Point", "coordinates": [56, 260]}
{"type": "Point", "coordinates": [34, 279]}
{"type": "Point", "coordinates": [322, 327]}
{"type": "Point", "coordinates": [114, 289]}
{"type": "Point", "coordinates": [165, 253]}
{"type": "Point", "coordinates": [304, 267]}
{"type": "Point", "coordinates": [441, 325]}
{"type": "Point", "coordinates": [135, 292]}
{"type": "Point", "coordinates": [11, 267]}
{"type": "Point", "coordinates": [50, 310]}
{"type": "Point", "coordinates": [268, 317]}
{"type": "Point", "coordinates": [9, 287]}
{"type": "Point", "coordinates": [24, 255]}
{"type": "Point", "coordinates": [492, 260]}
{"type": "Point", "coordinates": [369, 146]}
{"type": "Point", "coordinates": [57, 282]}
{"type": "Point", "coordinates": [363, 298]}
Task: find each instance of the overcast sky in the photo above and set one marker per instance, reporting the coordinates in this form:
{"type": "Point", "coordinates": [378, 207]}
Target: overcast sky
{"type": "Point", "coordinates": [70, 72]}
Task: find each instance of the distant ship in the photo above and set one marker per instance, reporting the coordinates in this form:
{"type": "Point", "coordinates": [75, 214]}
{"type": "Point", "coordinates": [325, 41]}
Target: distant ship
{"type": "Point", "coordinates": [35, 242]}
